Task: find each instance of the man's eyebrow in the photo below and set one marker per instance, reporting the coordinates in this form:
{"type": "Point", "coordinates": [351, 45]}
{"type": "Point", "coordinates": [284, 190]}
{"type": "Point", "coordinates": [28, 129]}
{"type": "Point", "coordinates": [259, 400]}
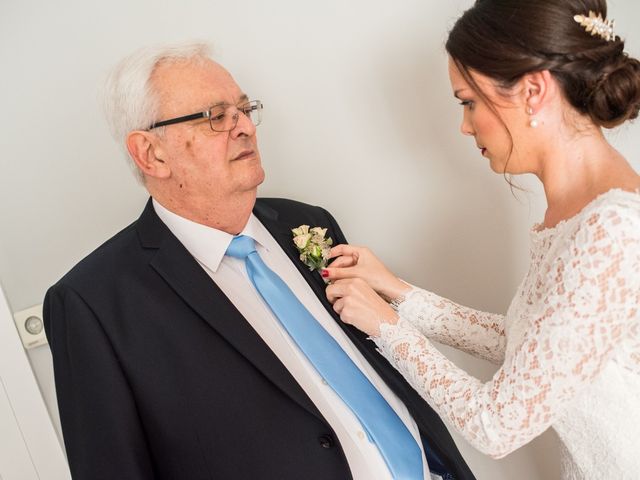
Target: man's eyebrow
{"type": "Point", "coordinates": [242, 99]}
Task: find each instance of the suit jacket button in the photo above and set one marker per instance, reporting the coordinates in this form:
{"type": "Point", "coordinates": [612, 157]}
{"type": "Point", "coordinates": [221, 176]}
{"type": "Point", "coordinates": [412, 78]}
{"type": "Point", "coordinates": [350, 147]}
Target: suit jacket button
{"type": "Point", "coordinates": [326, 441]}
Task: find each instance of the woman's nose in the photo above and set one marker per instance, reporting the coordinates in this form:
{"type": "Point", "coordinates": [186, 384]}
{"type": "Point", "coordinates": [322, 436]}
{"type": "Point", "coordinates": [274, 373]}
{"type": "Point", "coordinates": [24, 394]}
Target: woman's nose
{"type": "Point", "coordinates": [466, 128]}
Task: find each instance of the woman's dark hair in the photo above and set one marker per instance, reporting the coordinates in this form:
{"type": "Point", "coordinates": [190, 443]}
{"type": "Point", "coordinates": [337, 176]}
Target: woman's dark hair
{"type": "Point", "coordinates": [506, 39]}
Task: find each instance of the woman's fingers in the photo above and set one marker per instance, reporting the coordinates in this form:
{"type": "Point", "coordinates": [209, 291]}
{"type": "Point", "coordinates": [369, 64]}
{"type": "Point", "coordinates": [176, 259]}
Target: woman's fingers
{"type": "Point", "coordinates": [358, 305]}
{"type": "Point", "coordinates": [334, 274]}
{"type": "Point", "coordinates": [334, 292]}
{"type": "Point", "coordinates": [344, 249]}
{"type": "Point", "coordinates": [343, 262]}
{"type": "Point", "coordinates": [345, 259]}
{"type": "Point", "coordinates": [339, 289]}
{"type": "Point", "coordinates": [338, 306]}
{"type": "Point", "coordinates": [360, 262]}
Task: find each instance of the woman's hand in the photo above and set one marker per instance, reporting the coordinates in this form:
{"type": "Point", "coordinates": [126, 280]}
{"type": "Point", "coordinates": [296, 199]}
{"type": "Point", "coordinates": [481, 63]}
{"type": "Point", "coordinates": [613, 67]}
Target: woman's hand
{"type": "Point", "coordinates": [357, 304]}
{"type": "Point", "coordinates": [360, 262]}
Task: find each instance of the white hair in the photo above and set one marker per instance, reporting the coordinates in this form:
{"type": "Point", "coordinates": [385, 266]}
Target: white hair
{"type": "Point", "coordinates": [130, 102]}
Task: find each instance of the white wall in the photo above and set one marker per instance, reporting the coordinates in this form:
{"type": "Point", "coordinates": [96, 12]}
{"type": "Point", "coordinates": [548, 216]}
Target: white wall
{"type": "Point", "coordinates": [359, 118]}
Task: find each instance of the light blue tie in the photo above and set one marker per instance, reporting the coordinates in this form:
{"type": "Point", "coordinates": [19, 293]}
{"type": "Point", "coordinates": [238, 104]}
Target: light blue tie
{"type": "Point", "coordinates": [396, 444]}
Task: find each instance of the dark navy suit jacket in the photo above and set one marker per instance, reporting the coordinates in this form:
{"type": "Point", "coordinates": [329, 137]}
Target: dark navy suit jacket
{"type": "Point", "coordinates": [159, 376]}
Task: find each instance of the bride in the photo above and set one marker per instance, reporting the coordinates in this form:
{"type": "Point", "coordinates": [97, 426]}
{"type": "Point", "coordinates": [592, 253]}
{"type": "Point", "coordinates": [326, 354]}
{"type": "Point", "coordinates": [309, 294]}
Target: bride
{"type": "Point", "coordinates": [537, 81]}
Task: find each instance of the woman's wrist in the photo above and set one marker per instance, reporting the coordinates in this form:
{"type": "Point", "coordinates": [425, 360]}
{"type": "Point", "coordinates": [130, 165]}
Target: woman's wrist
{"type": "Point", "coordinates": [396, 291]}
{"type": "Point", "coordinates": [389, 318]}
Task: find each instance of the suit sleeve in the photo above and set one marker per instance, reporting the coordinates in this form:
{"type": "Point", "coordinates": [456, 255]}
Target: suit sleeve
{"type": "Point", "coordinates": [102, 431]}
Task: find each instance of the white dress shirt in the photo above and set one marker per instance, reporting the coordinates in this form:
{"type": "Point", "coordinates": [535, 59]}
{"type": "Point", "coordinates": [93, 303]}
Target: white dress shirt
{"type": "Point", "coordinates": [208, 247]}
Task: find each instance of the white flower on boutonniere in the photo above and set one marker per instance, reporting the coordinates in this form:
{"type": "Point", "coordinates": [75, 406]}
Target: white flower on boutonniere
{"type": "Point", "coordinates": [314, 248]}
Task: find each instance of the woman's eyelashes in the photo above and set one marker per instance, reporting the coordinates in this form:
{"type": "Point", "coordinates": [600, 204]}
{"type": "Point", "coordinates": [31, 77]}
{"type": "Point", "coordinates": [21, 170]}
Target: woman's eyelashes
{"type": "Point", "coordinates": [467, 103]}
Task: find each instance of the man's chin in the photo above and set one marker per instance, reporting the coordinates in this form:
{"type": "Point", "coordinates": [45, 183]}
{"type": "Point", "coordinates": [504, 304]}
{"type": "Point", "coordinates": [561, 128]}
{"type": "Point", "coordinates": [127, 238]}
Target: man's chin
{"type": "Point", "coordinates": [253, 181]}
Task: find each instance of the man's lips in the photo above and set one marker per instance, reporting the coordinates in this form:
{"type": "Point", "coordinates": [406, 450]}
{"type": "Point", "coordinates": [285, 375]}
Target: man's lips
{"type": "Point", "coordinates": [244, 154]}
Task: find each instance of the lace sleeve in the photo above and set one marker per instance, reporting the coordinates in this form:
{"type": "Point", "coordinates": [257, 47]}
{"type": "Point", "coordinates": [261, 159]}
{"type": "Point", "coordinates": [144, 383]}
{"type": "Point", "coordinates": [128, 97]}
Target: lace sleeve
{"type": "Point", "coordinates": [591, 306]}
{"type": "Point", "coordinates": [478, 333]}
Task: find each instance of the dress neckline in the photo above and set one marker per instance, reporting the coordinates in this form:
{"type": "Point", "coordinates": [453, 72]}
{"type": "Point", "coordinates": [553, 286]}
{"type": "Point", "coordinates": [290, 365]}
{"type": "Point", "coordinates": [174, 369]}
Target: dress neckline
{"type": "Point", "coordinates": [540, 231]}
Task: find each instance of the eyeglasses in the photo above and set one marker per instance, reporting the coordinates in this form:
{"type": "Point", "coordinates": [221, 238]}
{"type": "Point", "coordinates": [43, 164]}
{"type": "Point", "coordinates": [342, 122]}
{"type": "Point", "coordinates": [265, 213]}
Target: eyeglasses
{"type": "Point", "coordinates": [222, 117]}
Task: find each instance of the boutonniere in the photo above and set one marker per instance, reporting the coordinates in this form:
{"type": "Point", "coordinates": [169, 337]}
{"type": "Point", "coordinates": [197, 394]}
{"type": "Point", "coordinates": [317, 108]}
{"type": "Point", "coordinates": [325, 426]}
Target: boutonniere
{"type": "Point", "coordinates": [314, 248]}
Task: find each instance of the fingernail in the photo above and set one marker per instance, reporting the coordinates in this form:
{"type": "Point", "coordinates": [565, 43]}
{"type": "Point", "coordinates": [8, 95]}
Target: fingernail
{"type": "Point", "coordinates": [324, 273]}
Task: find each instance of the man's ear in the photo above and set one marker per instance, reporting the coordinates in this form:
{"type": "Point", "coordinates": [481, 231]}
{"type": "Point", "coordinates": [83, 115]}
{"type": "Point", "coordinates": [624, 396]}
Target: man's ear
{"type": "Point", "coordinates": [538, 88]}
{"type": "Point", "coordinates": [146, 151]}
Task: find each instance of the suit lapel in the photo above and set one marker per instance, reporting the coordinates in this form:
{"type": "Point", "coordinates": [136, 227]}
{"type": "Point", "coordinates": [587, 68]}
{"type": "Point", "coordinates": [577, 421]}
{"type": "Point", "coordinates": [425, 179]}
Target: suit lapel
{"type": "Point", "coordinates": [187, 278]}
{"type": "Point", "coordinates": [281, 231]}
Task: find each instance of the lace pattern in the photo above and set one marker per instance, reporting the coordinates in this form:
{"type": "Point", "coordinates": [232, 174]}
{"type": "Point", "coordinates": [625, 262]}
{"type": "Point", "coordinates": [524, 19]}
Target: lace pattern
{"type": "Point", "coordinates": [475, 332]}
{"type": "Point", "coordinates": [576, 314]}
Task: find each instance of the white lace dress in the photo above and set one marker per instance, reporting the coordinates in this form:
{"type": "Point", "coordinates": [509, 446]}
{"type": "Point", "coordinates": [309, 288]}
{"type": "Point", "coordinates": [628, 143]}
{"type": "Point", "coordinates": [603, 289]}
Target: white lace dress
{"type": "Point", "coordinates": [569, 347]}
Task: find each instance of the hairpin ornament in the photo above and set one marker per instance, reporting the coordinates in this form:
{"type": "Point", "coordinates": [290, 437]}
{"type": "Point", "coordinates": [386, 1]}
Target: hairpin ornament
{"type": "Point", "coordinates": [596, 25]}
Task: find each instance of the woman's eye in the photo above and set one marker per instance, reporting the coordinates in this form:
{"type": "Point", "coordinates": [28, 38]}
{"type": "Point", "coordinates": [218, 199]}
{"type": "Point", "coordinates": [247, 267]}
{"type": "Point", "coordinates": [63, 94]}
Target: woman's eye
{"type": "Point", "coordinates": [467, 103]}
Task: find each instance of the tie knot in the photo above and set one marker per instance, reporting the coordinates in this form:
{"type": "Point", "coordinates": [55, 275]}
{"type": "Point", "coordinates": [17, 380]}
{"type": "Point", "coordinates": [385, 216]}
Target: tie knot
{"type": "Point", "coordinates": [241, 246]}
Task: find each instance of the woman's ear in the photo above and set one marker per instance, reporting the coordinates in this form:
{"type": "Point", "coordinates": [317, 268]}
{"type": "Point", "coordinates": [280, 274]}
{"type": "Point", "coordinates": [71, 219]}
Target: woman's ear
{"type": "Point", "coordinates": [146, 151]}
{"type": "Point", "coordinates": [537, 89]}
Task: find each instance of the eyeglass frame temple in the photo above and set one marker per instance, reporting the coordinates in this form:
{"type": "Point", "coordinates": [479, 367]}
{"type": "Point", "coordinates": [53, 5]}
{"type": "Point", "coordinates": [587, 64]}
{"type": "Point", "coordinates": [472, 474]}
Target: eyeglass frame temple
{"type": "Point", "coordinates": [186, 118]}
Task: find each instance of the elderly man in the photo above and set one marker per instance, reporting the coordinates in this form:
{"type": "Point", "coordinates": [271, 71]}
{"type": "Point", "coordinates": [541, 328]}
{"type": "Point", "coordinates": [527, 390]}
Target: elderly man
{"type": "Point", "coordinates": [194, 344]}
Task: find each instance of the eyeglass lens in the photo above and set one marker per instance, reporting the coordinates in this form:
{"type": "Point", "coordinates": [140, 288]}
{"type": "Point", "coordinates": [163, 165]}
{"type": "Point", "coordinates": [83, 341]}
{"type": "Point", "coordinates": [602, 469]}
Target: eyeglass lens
{"type": "Point", "coordinates": [224, 118]}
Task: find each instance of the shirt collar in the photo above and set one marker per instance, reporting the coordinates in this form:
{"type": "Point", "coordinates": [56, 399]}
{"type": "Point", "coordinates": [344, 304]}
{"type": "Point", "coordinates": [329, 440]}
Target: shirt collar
{"type": "Point", "coordinates": [208, 245]}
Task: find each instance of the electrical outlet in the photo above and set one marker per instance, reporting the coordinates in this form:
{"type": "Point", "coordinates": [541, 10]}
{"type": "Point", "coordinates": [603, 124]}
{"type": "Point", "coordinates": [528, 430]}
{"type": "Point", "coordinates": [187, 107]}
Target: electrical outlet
{"type": "Point", "coordinates": [31, 327]}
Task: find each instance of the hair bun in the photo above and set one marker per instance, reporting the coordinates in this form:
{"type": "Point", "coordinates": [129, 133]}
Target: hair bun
{"type": "Point", "coordinates": [615, 98]}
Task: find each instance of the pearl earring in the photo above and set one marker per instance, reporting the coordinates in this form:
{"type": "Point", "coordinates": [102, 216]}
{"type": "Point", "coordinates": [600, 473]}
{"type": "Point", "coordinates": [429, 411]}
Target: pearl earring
{"type": "Point", "coordinates": [533, 123]}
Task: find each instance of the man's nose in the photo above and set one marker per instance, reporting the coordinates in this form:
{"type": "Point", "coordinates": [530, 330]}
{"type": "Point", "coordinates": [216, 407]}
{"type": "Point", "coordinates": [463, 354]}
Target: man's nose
{"type": "Point", "coordinates": [244, 127]}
